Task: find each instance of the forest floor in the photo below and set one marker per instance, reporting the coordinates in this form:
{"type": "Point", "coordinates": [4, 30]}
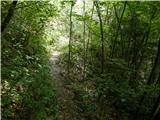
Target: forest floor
{"type": "Point", "coordinates": [64, 94]}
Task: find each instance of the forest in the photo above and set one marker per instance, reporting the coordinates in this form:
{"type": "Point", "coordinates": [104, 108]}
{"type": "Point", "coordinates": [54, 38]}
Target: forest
{"type": "Point", "coordinates": [80, 60]}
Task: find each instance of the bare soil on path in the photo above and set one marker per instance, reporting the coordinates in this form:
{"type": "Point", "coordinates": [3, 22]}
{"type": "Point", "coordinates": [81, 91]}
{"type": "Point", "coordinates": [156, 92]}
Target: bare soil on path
{"type": "Point", "coordinates": [64, 95]}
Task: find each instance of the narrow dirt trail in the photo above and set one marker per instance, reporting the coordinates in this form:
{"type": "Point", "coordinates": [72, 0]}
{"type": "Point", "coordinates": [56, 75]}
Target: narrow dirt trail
{"type": "Point", "coordinates": [64, 95]}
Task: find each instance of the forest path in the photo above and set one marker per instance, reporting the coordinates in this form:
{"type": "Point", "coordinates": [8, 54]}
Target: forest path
{"type": "Point", "coordinates": [64, 95]}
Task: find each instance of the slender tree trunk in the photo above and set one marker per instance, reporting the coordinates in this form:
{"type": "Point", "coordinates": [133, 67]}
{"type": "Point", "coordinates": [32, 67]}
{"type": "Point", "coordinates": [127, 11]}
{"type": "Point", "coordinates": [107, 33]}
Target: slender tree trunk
{"type": "Point", "coordinates": [118, 28]}
{"type": "Point", "coordinates": [118, 20]}
{"type": "Point", "coordinates": [156, 67]}
{"type": "Point", "coordinates": [116, 14]}
{"type": "Point", "coordinates": [9, 16]}
{"type": "Point", "coordinates": [89, 37]}
{"type": "Point", "coordinates": [158, 80]}
{"type": "Point", "coordinates": [106, 16]}
{"type": "Point", "coordinates": [102, 37]}
{"type": "Point", "coordinates": [89, 33]}
{"type": "Point", "coordinates": [84, 41]}
{"type": "Point", "coordinates": [156, 109]}
{"type": "Point", "coordinates": [70, 40]}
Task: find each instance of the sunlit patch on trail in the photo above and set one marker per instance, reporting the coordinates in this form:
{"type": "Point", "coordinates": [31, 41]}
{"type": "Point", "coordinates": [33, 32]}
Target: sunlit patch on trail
{"type": "Point", "coordinates": [55, 55]}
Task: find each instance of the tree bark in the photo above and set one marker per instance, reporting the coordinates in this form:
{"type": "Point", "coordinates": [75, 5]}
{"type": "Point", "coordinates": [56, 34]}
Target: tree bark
{"type": "Point", "coordinates": [9, 16]}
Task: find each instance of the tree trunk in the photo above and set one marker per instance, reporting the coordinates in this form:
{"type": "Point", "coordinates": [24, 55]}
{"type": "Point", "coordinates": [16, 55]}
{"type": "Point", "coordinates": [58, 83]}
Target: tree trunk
{"type": "Point", "coordinates": [70, 40]}
{"type": "Point", "coordinates": [156, 109]}
{"type": "Point", "coordinates": [84, 41]}
{"type": "Point", "coordinates": [89, 33]}
{"type": "Point", "coordinates": [156, 67]}
{"type": "Point", "coordinates": [118, 28]}
{"type": "Point", "coordinates": [102, 37]}
{"type": "Point", "coordinates": [9, 16]}
{"type": "Point", "coordinates": [158, 80]}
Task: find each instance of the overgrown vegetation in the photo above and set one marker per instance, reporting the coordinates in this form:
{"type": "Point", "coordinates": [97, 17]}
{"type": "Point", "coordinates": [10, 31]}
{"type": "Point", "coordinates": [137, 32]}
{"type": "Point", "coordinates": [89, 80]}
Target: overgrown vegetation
{"type": "Point", "coordinates": [110, 59]}
{"type": "Point", "coordinates": [27, 92]}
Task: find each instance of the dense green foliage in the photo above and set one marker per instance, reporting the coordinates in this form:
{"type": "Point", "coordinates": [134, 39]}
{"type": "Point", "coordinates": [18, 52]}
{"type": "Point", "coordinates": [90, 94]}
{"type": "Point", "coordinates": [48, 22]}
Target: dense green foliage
{"type": "Point", "coordinates": [27, 91]}
{"type": "Point", "coordinates": [110, 59]}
